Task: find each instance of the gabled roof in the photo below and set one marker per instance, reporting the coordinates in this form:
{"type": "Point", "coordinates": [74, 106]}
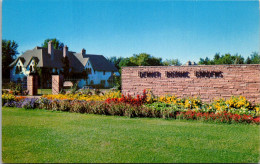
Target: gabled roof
{"type": "Point", "coordinates": [27, 56]}
{"type": "Point", "coordinates": [75, 63]}
{"type": "Point", "coordinates": [22, 59]}
{"type": "Point", "coordinates": [35, 58]}
{"type": "Point", "coordinates": [77, 60]}
{"type": "Point", "coordinates": [98, 62]}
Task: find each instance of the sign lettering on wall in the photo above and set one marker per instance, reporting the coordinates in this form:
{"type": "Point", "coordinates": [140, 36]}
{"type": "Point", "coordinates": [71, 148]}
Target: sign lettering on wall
{"type": "Point", "coordinates": [209, 74]}
{"type": "Point", "coordinates": [149, 74]}
{"type": "Point", "coordinates": [182, 74]}
{"type": "Point", "coordinates": [177, 74]}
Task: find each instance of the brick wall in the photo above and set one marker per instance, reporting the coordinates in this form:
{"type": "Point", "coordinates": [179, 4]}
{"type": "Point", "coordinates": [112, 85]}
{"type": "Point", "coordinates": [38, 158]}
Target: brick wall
{"type": "Point", "coordinates": [32, 84]}
{"type": "Point", "coordinates": [57, 83]}
{"type": "Point", "coordinates": [207, 82]}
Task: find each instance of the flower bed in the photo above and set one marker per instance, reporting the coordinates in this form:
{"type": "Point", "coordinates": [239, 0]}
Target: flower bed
{"type": "Point", "coordinates": [86, 97]}
{"type": "Point", "coordinates": [233, 110]}
{"type": "Point", "coordinates": [10, 98]}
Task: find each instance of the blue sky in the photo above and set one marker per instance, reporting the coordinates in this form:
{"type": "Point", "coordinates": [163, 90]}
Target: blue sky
{"type": "Point", "coordinates": [186, 30]}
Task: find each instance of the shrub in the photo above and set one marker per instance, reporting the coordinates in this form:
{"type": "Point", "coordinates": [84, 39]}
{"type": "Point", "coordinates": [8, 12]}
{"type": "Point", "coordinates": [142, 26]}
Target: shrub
{"type": "Point", "coordinates": [55, 104]}
{"type": "Point", "coordinates": [10, 103]}
{"type": "Point", "coordinates": [64, 105]}
{"type": "Point", "coordinates": [29, 103]}
{"type": "Point", "coordinates": [7, 97]}
{"type": "Point", "coordinates": [76, 106]}
{"type": "Point", "coordinates": [44, 103]}
{"type": "Point", "coordinates": [115, 109]}
{"type": "Point", "coordinates": [223, 117]}
{"type": "Point", "coordinates": [233, 110]}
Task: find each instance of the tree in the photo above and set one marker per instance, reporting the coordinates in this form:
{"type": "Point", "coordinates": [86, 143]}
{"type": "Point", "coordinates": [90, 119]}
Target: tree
{"type": "Point", "coordinates": [144, 59]}
{"type": "Point", "coordinates": [125, 62]}
{"type": "Point", "coordinates": [117, 82]}
{"type": "Point", "coordinates": [115, 60]}
{"type": "Point", "coordinates": [238, 59]}
{"type": "Point", "coordinates": [66, 67]}
{"type": "Point", "coordinates": [205, 61]}
{"type": "Point", "coordinates": [255, 58]}
{"type": "Point", "coordinates": [217, 59]}
{"type": "Point", "coordinates": [223, 59]}
{"type": "Point", "coordinates": [248, 60]}
{"type": "Point", "coordinates": [56, 44]}
{"type": "Point", "coordinates": [9, 54]}
{"type": "Point", "coordinates": [170, 62]}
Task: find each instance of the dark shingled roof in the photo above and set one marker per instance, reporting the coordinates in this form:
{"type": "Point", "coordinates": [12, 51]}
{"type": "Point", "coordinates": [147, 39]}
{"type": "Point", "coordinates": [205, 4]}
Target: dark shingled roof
{"type": "Point", "coordinates": [27, 56]}
{"type": "Point", "coordinates": [98, 62]}
{"type": "Point", "coordinates": [77, 60]}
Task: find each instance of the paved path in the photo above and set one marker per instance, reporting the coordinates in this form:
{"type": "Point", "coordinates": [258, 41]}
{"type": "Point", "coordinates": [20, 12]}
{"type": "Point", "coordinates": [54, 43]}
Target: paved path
{"type": "Point", "coordinates": [32, 96]}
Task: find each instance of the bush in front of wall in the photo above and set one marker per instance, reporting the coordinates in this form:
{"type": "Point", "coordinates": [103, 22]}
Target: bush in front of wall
{"type": "Point", "coordinates": [64, 105]}
{"type": "Point", "coordinates": [29, 103]}
{"type": "Point", "coordinates": [136, 107]}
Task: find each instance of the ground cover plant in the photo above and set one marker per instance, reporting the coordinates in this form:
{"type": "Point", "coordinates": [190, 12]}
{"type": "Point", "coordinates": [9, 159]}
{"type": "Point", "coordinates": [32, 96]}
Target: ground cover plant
{"type": "Point", "coordinates": [43, 136]}
{"type": "Point", "coordinates": [233, 110]}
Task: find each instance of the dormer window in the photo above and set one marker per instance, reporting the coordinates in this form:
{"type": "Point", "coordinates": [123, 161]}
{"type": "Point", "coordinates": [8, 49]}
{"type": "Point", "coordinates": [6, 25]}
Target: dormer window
{"type": "Point", "coordinates": [104, 72]}
{"type": "Point", "coordinates": [18, 69]}
{"type": "Point", "coordinates": [88, 70]}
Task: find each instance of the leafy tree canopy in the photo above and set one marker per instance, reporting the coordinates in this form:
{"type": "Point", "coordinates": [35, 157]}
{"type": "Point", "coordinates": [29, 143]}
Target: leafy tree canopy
{"type": "Point", "coordinates": [126, 62]}
{"type": "Point", "coordinates": [56, 43]}
{"type": "Point", "coordinates": [141, 59]}
{"type": "Point", "coordinates": [9, 54]}
{"type": "Point", "coordinates": [223, 59]}
{"type": "Point", "coordinates": [253, 59]}
{"type": "Point", "coordinates": [115, 60]}
{"type": "Point", "coordinates": [171, 62]}
{"type": "Point", "coordinates": [66, 67]}
{"type": "Point", "coordinates": [144, 59]}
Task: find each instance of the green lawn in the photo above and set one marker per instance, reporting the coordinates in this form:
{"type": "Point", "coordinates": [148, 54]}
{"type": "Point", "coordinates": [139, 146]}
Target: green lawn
{"type": "Point", "coordinates": [44, 91]}
{"type": "Point", "coordinates": [46, 136]}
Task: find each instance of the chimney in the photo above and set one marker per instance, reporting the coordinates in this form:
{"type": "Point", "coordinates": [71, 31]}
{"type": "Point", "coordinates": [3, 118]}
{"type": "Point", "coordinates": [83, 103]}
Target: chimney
{"type": "Point", "coordinates": [65, 51]}
{"type": "Point", "coordinates": [83, 51]}
{"type": "Point", "coordinates": [50, 49]}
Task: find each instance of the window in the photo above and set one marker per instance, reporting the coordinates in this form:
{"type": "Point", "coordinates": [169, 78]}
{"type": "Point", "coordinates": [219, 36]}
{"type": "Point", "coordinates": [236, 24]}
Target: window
{"type": "Point", "coordinates": [103, 82]}
{"type": "Point", "coordinates": [91, 82]}
{"type": "Point", "coordinates": [17, 70]}
{"type": "Point", "coordinates": [110, 82]}
{"type": "Point", "coordinates": [104, 72]}
{"type": "Point", "coordinates": [30, 68]}
{"type": "Point", "coordinates": [94, 71]}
